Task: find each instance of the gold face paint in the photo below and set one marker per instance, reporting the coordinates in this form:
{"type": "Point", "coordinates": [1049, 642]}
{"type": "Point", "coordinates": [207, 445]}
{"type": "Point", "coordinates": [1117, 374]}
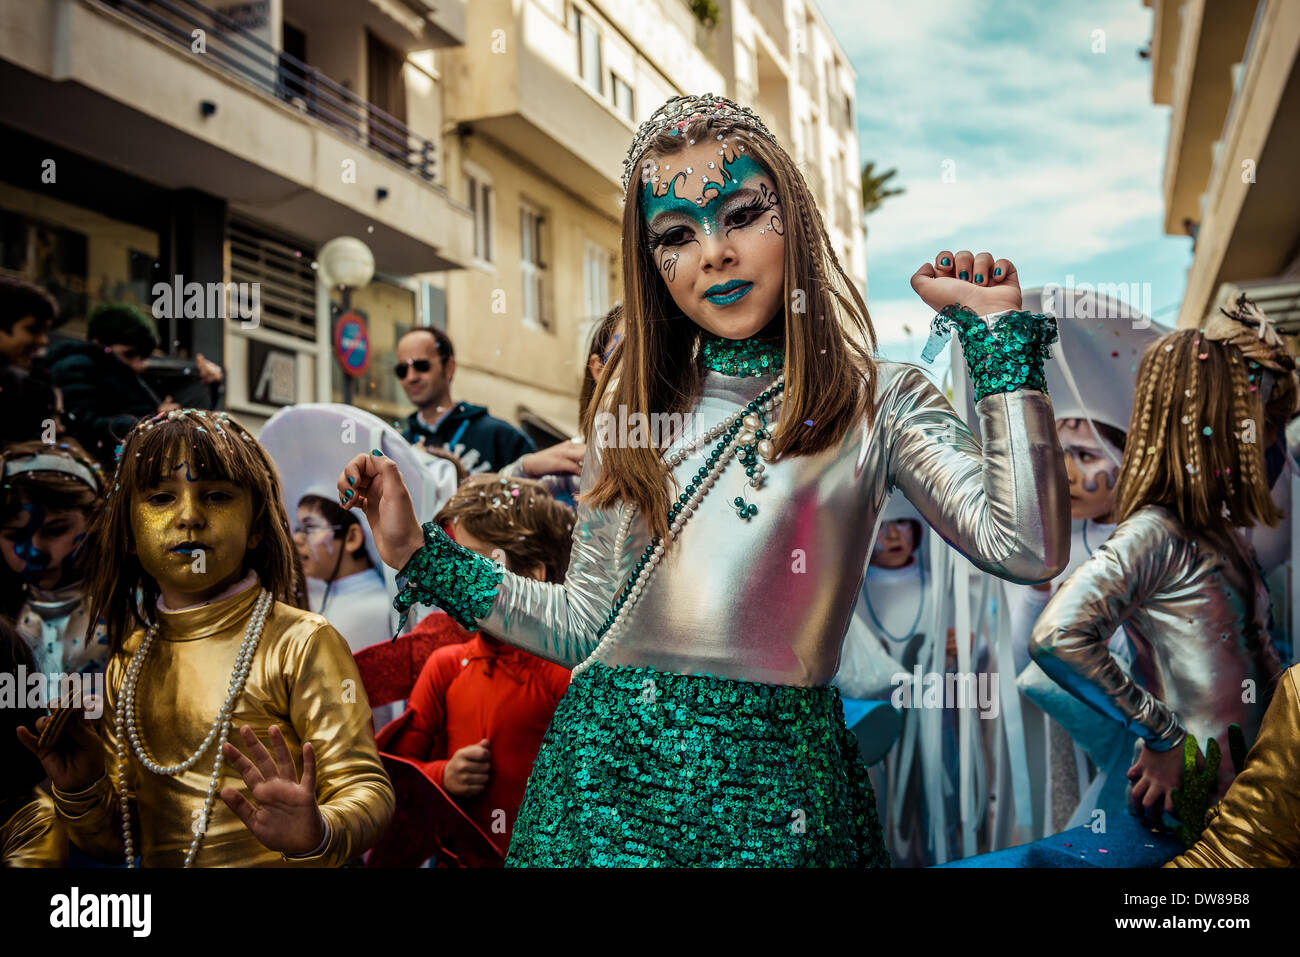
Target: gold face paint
{"type": "Point", "coordinates": [191, 534]}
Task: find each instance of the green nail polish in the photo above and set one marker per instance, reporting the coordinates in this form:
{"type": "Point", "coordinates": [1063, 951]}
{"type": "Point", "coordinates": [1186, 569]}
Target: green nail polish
{"type": "Point", "coordinates": [998, 271]}
{"type": "Point", "coordinates": [347, 495]}
{"type": "Point", "coordinates": [979, 277]}
{"type": "Point", "coordinates": [377, 452]}
{"type": "Point", "coordinates": [351, 480]}
{"type": "Point", "coordinates": [945, 261]}
{"type": "Point", "coordinates": [963, 274]}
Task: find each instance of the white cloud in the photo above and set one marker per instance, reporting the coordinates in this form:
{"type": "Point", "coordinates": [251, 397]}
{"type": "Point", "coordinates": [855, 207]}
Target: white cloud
{"type": "Point", "coordinates": [1058, 149]}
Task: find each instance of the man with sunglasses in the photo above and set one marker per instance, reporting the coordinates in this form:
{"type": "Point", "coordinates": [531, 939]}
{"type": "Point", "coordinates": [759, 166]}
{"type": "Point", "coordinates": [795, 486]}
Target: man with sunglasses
{"type": "Point", "coordinates": [426, 363]}
{"type": "Point", "coordinates": [101, 378]}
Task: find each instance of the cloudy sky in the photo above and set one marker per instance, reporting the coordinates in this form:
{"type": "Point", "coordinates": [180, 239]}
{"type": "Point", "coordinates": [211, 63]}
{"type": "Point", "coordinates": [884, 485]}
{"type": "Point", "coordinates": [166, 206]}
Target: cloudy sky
{"type": "Point", "coordinates": [1057, 150]}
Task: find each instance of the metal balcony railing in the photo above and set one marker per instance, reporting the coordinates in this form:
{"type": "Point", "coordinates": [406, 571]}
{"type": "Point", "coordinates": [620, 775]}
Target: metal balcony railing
{"type": "Point", "coordinates": [237, 51]}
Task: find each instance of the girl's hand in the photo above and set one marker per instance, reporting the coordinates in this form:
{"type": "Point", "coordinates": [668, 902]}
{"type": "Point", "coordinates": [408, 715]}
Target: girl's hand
{"type": "Point", "coordinates": [285, 817]}
{"type": "Point", "coordinates": [468, 771]}
{"type": "Point", "coordinates": [563, 458]}
{"type": "Point", "coordinates": [374, 482]}
{"type": "Point", "coordinates": [977, 282]}
{"type": "Point", "coordinates": [1154, 775]}
{"type": "Point", "coordinates": [76, 760]}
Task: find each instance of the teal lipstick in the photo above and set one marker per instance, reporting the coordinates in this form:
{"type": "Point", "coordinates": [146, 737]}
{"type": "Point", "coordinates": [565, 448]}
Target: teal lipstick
{"type": "Point", "coordinates": [724, 294]}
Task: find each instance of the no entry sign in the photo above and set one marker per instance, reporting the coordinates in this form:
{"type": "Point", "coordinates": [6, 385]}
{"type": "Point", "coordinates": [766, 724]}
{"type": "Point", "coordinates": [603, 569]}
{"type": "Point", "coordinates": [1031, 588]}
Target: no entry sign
{"type": "Point", "coordinates": [352, 344]}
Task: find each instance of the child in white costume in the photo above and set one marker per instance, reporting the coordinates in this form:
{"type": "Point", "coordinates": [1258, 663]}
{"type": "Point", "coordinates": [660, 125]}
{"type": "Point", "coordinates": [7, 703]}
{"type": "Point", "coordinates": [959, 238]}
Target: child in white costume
{"type": "Point", "coordinates": [886, 644]}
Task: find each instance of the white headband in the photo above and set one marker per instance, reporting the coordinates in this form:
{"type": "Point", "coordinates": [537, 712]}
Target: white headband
{"type": "Point", "coordinates": [49, 462]}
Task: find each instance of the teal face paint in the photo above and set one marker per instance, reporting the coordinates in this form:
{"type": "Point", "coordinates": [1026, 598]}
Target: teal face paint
{"type": "Point", "coordinates": [713, 193]}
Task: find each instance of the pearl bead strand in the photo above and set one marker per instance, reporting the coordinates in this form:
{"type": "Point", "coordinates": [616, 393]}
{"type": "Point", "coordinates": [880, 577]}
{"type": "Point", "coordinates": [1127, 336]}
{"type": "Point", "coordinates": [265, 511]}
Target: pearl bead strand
{"type": "Point", "coordinates": [127, 726]}
{"type": "Point", "coordinates": [686, 507]}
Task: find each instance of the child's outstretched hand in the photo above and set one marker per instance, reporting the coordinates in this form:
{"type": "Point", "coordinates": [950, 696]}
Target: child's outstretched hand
{"type": "Point", "coordinates": [285, 817]}
{"type": "Point", "coordinates": [374, 482]}
{"type": "Point", "coordinates": [76, 760]}
{"type": "Point", "coordinates": [977, 282]}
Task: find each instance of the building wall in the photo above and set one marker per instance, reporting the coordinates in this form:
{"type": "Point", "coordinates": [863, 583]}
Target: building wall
{"type": "Point", "coordinates": [502, 362]}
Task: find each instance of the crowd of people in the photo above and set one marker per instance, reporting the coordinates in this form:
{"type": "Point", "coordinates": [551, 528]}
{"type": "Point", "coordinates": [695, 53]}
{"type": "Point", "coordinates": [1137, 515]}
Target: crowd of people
{"type": "Point", "coordinates": [458, 649]}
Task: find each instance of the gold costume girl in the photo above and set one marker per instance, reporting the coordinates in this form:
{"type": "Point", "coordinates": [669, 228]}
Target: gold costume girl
{"type": "Point", "coordinates": [192, 570]}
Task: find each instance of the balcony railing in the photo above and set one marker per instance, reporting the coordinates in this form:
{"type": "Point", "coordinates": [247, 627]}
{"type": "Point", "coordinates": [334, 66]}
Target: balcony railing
{"type": "Point", "coordinates": [238, 52]}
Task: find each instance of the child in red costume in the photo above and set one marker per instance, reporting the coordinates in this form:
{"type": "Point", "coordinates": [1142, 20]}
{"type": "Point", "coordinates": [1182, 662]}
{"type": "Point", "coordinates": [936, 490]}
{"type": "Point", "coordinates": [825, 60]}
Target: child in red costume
{"type": "Point", "coordinates": [477, 714]}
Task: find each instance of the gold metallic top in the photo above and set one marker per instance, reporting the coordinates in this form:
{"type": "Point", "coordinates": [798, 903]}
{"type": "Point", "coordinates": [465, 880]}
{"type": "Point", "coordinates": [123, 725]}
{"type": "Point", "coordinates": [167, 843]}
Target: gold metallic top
{"type": "Point", "coordinates": [1198, 623]}
{"type": "Point", "coordinates": [303, 678]}
{"type": "Point", "coordinates": [1257, 824]}
{"type": "Point", "coordinates": [34, 836]}
{"type": "Point", "coordinates": [769, 599]}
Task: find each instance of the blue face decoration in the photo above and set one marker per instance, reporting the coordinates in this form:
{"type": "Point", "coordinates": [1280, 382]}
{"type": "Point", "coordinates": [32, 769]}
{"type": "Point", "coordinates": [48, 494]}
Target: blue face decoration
{"type": "Point", "coordinates": [37, 562]}
{"type": "Point", "coordinates": [733, 193]}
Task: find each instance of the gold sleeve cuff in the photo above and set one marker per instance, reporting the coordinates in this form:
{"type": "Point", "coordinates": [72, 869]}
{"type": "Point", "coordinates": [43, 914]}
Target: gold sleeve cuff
{"type": "Point", "coordinates": [1258, 822]}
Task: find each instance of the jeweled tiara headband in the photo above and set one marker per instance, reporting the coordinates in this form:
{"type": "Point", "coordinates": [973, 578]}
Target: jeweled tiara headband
{"type": "Point", "coordinates": [676, 115]}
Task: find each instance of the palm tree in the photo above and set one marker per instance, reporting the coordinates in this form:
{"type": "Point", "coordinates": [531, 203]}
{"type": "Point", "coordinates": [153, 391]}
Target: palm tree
{"type": "Point", "coordinates": [874, 191]}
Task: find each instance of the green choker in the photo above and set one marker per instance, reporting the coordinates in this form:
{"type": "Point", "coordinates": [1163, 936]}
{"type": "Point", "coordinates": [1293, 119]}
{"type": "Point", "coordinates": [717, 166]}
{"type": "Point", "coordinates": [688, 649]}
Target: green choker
{"type": "Point", "coordinates": [741, 357]}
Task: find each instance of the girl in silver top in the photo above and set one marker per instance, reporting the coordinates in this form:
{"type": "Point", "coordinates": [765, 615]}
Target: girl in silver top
{"type": "Point", "coordinates": [1177, 573]}
{"type": "Point", "coordinates": [717, 589]}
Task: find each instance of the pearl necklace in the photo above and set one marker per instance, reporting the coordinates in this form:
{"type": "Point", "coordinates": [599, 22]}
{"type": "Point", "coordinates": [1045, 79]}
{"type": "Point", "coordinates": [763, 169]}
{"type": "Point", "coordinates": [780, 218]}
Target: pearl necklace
{"type": "Point", "coordinates": [128, 726]}
{"type": "Point", "coordinates": [741, 432]}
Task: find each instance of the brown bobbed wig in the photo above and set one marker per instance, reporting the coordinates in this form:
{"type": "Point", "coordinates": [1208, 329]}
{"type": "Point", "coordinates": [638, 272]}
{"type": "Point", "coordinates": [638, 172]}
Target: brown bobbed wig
{"type": "Point", "coordinates": [215, 447]}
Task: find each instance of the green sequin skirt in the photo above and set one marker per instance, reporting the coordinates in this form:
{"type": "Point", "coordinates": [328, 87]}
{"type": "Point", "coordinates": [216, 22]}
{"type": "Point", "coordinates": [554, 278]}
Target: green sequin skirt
{"type": "Point", "coordinates": [642, 768]}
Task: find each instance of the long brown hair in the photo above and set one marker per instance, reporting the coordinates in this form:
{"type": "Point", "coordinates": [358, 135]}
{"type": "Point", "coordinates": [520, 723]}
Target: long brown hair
{"type": "Point", "coordinates": [215, 446]}
{"type": "Point", "coordinates": [830, 375]}
{"type": "Point", "coordinates": [1195, 441]}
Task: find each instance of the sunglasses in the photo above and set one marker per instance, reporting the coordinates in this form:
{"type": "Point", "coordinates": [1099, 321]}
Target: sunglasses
{"type": "Point", "coordinates": [420, 365]}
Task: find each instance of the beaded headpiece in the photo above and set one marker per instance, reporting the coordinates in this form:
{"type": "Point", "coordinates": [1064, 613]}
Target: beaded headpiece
{"type": "Point", "coordinates": [1246, 327]}
{"type": "Point", "coordinates": [676, 115]}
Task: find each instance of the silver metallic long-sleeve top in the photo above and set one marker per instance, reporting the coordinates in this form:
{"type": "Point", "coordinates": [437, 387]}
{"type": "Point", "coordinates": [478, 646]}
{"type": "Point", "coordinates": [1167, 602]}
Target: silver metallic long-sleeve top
{"type": "Point", "coordinates": [769, 599]}
{"type": "Point", "coordinates": [1203, 658]}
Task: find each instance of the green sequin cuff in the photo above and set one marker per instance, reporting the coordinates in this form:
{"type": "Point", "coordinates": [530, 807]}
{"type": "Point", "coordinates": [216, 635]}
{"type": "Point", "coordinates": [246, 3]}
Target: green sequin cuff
{"type": "Point", "coordinates": [1005, 358]}
{"type": "Point", "coordinates": [461, 582]}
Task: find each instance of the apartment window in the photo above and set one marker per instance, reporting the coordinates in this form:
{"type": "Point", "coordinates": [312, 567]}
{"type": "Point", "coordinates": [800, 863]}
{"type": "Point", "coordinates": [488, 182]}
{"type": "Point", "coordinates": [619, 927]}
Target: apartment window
{"type": "Point", "coordinates": [536, 313]}
{"type": "Point", "coordinates": [590, 65]}
{"type": "Point", "coordinates": [596, 264]}
{"type": "Point", "coordinates": [622, 91]}
{"type": "Point", "coordinates": [386, 91]}
{"type": "Point", "coordinates": [480, 204]}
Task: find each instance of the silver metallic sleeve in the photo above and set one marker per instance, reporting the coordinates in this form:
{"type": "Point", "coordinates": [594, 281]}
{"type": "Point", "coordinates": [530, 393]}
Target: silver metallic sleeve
{"type": "Point", "coordinates": [1071, 637]}
{"type": "Point", "coordinates": [559, 622]}
{"type": "Point", "coordinates": [1005, 505]}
